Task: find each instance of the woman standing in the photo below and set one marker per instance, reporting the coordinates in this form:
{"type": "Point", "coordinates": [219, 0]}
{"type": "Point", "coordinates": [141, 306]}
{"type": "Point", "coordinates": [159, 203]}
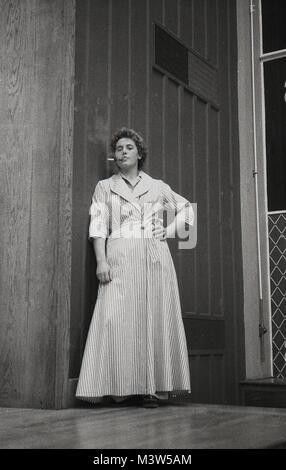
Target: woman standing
{"type": "Point", "coordinates": [136, 343]}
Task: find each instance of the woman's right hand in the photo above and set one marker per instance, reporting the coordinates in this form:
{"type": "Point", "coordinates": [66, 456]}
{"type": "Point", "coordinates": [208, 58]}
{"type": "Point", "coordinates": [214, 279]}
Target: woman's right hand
{"type": "Point", "coordinates": [103, 272]}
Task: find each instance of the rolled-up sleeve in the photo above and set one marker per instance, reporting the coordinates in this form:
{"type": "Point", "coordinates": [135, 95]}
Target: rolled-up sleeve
{"type": "Point", "coordinates": [182, 208]}
{"type": "Point", "coordinates": [99, 214]}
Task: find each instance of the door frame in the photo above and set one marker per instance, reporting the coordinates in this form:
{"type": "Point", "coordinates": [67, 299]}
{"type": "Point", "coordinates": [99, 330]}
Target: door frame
{"type": "Point", "coordinates": [254, 214]}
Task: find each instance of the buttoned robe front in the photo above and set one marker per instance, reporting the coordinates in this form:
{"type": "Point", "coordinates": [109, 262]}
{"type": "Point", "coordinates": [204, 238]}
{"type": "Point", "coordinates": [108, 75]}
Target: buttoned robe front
{"type": "Point", "coordinates": [136, 342]}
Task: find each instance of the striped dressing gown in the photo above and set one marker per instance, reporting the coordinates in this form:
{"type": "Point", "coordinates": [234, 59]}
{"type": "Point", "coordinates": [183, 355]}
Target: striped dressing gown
{"type": "Point", "coordinates": [136, 341]}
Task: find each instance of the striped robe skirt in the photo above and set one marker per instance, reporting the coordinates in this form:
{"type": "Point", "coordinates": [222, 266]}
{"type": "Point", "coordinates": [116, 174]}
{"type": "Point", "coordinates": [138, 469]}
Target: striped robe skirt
{"type": "Point", "coordinates": [136, 342]}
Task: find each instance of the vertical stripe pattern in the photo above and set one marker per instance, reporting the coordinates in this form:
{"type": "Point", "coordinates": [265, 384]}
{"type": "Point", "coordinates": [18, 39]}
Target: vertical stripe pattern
{"type": "Point", "coordinates": [136, 341]}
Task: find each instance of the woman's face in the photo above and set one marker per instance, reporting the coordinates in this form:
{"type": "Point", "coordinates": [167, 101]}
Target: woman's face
{"type": "Point", "coordinates": [126, 154]}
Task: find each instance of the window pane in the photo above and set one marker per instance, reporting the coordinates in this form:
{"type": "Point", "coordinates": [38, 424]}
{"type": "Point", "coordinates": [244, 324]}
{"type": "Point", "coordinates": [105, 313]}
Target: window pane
{"type": "Point", "coordinates": [275, 111]}
{"type": "Point", "coordinates": [273, 25]}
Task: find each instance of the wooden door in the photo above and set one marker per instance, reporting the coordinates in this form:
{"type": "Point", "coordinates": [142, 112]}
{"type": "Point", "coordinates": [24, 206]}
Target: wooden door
{"type": "Point", "coordinates": [168, 69]}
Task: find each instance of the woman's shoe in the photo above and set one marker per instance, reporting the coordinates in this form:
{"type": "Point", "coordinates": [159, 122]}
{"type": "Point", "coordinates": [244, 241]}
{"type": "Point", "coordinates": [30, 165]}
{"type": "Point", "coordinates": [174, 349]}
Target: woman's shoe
{"type": "Point", "coordinates": [127, 400]}
{"type": "Point", "coordinates": [150, 401]}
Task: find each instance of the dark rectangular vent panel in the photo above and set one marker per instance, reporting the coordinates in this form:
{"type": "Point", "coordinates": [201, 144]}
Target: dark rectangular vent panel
{"type": "Point", "coordinates": [171, 55]}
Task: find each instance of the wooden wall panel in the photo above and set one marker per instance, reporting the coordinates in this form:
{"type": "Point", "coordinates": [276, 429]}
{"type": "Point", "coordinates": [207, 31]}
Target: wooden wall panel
{"type": "Point", "coordinates": [37, 43]}
{"type": "Point", "coordinates": [157, 162]}
{"type": "Point", "coordinates": [16, 159]}
{"type": "Point", "coordinates": [171, 150]}
{"type": "Point", "coordinates": [91, 135]}
{"type": "Point", "coordinates": [44, 207]}
{"type": "Point", "coordinates": [171, 14]}
{"type": "Point", "coordinates": [157, 119]}
{"type": "Point", "coordinates": [139, 66]}
{"type": "Point", "coordinates": [218, 378]}
{"type": "Point", "coordinates": [201, 198]}
{"type": "Point", "coordinates": [214, 183]}
{"type": "Point", "coordinates": [120, 69]}
{"type": "Point", "coordinates": [187, 22]}
{"type": "Point", "coordinates": [204, 378]}
{"type": "Point", "coordinates": [64, 233]}
{"type": "Point", "coordinates": [200, 27]}
{"type": "Point", "coordinates": [172, 133]}
{"type": "Point", "coordinates": [230, 190]}
{"type": "Point", "coordinates": [212, 30]}
{"type": "Point", "coordinates": [188, 188]}
{"type": "Point", "coordinates": [208, 376]}
{"type": "Point", "coordinates": [80, 189]}
{"type": "Point", "coordinates": [96, 91]}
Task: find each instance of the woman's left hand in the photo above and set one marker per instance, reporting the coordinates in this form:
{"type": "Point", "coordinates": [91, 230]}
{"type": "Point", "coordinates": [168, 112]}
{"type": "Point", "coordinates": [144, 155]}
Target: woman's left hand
{"type": "Point", "coordinates": [159, 231]}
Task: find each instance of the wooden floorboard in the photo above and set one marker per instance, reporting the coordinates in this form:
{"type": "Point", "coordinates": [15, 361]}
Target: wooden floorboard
{"type": "Point", "coordinates": [177, 426]}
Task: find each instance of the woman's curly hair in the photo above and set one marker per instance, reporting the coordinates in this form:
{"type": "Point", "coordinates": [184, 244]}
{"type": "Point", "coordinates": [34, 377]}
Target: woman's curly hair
{"type": "Point", "coordinates": [127, 133]}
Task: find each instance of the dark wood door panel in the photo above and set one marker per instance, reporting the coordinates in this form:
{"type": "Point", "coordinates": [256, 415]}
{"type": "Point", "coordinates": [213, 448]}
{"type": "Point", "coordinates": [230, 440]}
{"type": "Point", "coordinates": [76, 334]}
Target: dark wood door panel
{"type": "Point", "coordinates": [205, 334]}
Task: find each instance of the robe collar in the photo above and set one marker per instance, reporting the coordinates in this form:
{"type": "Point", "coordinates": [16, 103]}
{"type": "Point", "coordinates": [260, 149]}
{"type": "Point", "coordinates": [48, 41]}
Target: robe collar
{"type": "Point", "coordinates": [118, 186]}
